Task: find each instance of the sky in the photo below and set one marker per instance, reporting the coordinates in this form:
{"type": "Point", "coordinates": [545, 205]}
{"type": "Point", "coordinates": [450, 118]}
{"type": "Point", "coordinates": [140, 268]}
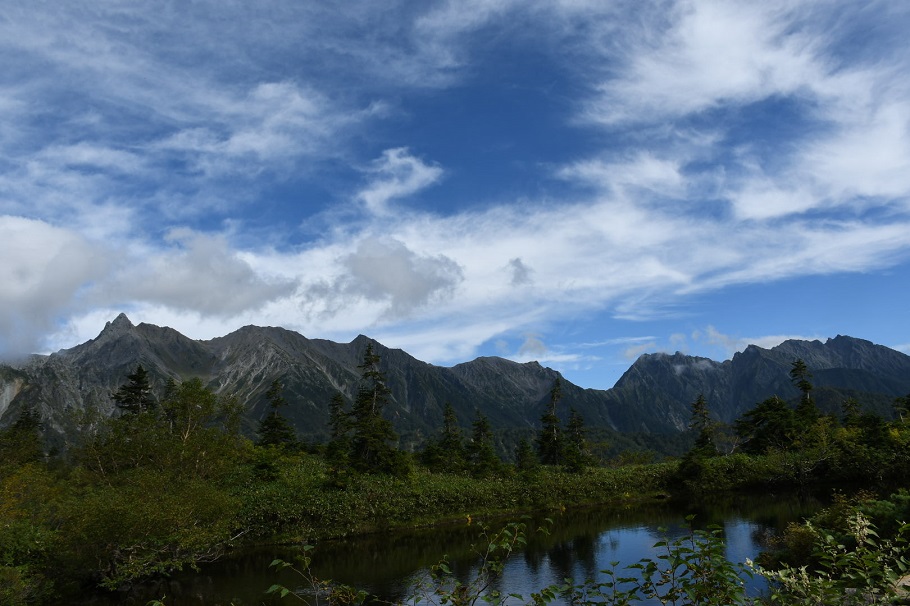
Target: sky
{"type": "Point", "coordinates": [574, 182]}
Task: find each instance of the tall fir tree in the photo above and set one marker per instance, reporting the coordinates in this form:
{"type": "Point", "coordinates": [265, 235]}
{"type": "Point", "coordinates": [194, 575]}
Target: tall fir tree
{"type": "Point", "coordinates": [373, 441]}
{"type": "Point", "coordinates": [482, 457]}
{"type": "Point", "coordinates": [525, 457]}
{"type": "Point", "coordinates": [550, 438]}
{"type": "Point", "coordinates": [22, 441]}
{"type": "Point", "coordinates": [704, 427]}
{"type": "Point", "coordinates": [339, 446]}
{"type": "Point", "coordinates": [275, 429]}
{"type": "Point", "coordinates": [807, 413]}
{"type": "Point", "coordinates": [771, 425]}
{"type": "Point", "coordinates": [446, 453]}
{"type": "Point", "coordinates": [902, 407]}
{"type": "Point", "coordinates": [576, 452]}
{"type": "Point", "coordinates": [135, 396]}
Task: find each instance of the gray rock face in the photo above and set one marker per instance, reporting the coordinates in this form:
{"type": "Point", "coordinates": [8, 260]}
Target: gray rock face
{"type": "Point", "coordinates": [653, 396]}
{"type": "Point", "coordinates": [663, 386]}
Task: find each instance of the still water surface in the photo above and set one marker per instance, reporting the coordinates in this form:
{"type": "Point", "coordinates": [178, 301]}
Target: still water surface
{"type": "Point", "coordinates": [579, 544]}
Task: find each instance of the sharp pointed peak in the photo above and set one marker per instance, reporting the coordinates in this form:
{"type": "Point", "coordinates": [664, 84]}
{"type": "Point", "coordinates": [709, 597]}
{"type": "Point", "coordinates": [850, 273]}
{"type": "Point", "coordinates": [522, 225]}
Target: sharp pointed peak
{"type": "Point", "coordinates": [119, 325]}
{"type": "Point", "coordinates": [120, 320]}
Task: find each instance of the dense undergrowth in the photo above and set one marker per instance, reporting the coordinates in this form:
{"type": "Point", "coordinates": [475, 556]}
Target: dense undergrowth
{"type": "Point", "coordinates": [66, 526]}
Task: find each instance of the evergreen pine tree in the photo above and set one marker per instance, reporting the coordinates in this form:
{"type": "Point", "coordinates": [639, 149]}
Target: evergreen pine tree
{"type": "Point", "coordinates": [807, 413]}
{"type": "Point", "coordinates": [525, 457]}
{"type": "Point", "coordinates": [902, 407]}
{"type": "Point", "coordinates": [135, 395]}
{"type": "Point", "coordinates": [372, 449]}
{"type": "Point", "coordinates": [550, 439]}
{"type": "Point", "coordinates": [274, 429]}
{"type": "Point", "coordinates": [771, 425]}
{"type": "Point", "coordinates": [446, 453]}
{"type": "Point", "coordinates": [705, 428]}
{"type": "Point", "coordinates": [851, 413]}
{"type": "Point", "coordinates": [336, 451]}
{"type": "Point", "coordinates": [576, 453]}
{"type": "Point", "coordinates": [482, 457]}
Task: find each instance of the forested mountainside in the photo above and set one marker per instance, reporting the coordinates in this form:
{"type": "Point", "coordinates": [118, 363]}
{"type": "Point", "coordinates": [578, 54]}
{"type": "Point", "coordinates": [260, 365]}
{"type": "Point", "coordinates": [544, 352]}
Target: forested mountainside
{"type": "Point", "coordinates": [653, 396]}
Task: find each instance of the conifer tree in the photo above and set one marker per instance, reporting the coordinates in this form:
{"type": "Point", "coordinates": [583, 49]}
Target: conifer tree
{"type": "Point", "coordinates": [336, 452]}
{"type": "Point", "coordinates": [771, 425]}
{"type": "Point", "coordinates": [135, 395]}
{"type": "Point", "coordinates": [550, 439]}
{"type": "Point", "coordinates": [576, 453]}
{"type": "Point", "coordinates": [274, 429]}
{"type": "Point", "coordinates": [525, 457]}
{"type": "Point", "coordinates": [372, 449]}
{"type": "Point", "coordinates": [850, 411]}
{"type": "Point", "coordinates": [807, 413]}
{"type": "Point", "coordinates": [446, 453]}
{"type": "Point", "coordinates": [902, 407]}
{"type": "Point", "coordinates": [701, 423]}
{"type": "Point", "coordinates": [481, 454]}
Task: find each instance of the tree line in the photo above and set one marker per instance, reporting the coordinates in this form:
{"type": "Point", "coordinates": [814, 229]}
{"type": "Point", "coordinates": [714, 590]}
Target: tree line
{"type": "Point", "coordinates": [855, 445]}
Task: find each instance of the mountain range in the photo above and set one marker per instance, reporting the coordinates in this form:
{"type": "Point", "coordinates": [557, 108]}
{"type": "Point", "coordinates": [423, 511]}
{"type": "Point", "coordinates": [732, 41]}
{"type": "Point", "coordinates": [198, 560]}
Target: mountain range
{"type": "Point", "coordinates": [652, 397]}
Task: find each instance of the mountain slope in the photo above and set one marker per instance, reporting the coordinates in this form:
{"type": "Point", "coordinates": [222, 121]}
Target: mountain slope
{"type": "Point", "coordinates": [653, 396]}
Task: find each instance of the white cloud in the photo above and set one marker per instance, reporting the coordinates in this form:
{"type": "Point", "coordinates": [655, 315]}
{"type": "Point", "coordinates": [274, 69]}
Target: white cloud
{"type": "Point", "coordinates": [387, 273]}
{"type": "Point", "coordinates": [632, 353]}
{"type": "Point", "coordinates": [199, 273]}
{"type": "Point", "coordinates": [272, 124]}
{"type": "Point", "coordinates": [868, 154]}
{"type": "Point", "coordinates": [397, 174]}
{"type": "Point", "coordinates": [644, 172]}
{"type": "Point", "coordinates": [43, 274]}
{"type": "Point", "coordinates": [708, 53]}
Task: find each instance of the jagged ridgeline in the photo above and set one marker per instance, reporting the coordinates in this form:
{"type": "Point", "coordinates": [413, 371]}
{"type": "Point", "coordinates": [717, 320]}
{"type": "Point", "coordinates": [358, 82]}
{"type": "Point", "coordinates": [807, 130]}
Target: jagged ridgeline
{"type": "Point", "coordinates": [653, 397]}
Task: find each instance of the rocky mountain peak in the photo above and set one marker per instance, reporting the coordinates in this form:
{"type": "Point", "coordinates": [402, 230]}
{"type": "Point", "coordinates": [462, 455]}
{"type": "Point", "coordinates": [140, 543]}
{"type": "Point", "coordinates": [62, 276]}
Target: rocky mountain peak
{"type": "Point", "coordinates": [117, 342]}
{"type": "Point", "coordinates": [119, 325]}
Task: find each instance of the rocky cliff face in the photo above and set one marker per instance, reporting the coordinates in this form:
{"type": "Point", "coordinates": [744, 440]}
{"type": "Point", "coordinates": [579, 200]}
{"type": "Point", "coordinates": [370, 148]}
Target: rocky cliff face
{"type": "Point", "coordinates": [662, 385]}
{"type": "Point", "coordinates": [653, 396]}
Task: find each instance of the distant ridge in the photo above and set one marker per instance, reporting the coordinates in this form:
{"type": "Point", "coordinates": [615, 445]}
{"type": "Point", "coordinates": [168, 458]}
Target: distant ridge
{"type": "Point", "coordinates": [652, 396]}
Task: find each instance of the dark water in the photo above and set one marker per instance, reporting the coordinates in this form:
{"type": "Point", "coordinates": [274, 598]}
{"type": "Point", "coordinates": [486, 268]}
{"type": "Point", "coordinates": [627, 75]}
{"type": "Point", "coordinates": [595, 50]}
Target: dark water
{"type": "Point", "coordinates": [579, 544]}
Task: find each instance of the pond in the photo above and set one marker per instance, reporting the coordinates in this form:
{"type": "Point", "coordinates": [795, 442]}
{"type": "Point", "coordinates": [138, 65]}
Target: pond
{"type": "Point", "coordinates": [579, 543]}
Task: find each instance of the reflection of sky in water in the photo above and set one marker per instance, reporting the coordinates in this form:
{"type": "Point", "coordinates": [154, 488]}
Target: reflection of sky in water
{"type": "Point", "coordinates": [527, 573]}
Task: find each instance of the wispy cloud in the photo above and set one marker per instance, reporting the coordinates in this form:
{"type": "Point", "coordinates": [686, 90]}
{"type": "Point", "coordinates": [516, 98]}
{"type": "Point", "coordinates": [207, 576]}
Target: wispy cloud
{"type": "Point", "coordinates": [396, 174]}
{"type": "Point", "coordinates": [730, 344]}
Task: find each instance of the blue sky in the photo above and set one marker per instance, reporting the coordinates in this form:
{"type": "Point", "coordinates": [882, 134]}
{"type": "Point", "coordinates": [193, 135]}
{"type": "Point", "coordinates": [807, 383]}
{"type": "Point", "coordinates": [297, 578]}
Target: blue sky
{"type": "Point", "coordinates": [572, 182]}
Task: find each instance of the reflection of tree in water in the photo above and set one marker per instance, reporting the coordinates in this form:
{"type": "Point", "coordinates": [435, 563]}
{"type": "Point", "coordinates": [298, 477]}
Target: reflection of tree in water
{"type": "Point", "coordinates": [533, 557]}
{"type": "Point", "coordinates": [585, 548]}
{"type": "Point", "coordinates": [560, 557]}
{"type": "Point", "coordinates": [566, 557]}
